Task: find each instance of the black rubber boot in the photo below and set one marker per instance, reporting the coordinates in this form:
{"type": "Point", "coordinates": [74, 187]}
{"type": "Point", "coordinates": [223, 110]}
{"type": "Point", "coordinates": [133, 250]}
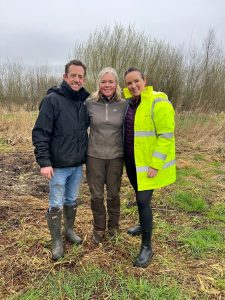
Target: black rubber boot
{"type": "Point", "coordinates": [69, 214]}
{"type": "Point", "coordinates": [54, 218]}
{"type": "Point", "coordinates": [134, 231]}
{"type": "Point", "coordinates": [146, 253]}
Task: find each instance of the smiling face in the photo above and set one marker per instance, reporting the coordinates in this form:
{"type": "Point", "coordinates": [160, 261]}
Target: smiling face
{"type": "Point", "coordinates": [107, 85]}
{"type": "Point", "coordinates": [135, 83]}
{"type": "Point", "coordinates": [75, 77]}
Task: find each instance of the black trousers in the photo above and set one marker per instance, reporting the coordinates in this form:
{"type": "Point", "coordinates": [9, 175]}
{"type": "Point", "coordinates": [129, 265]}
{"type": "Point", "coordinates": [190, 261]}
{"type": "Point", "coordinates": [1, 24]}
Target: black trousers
{"type": "Point", "coordinates": [143, 198]}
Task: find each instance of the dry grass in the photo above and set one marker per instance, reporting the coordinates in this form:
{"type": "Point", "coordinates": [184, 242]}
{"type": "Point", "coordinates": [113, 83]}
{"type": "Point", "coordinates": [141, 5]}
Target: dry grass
{"type": "Point", "coordinates": [25, 248]}
{"type": "Point", "coordinates": [15, 127]}
{"type": "Point", "coordinates": [205, 131]}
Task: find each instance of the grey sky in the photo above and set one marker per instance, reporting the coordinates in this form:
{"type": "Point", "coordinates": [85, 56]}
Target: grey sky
{"type": "Point", "coordinates": [45, 31]}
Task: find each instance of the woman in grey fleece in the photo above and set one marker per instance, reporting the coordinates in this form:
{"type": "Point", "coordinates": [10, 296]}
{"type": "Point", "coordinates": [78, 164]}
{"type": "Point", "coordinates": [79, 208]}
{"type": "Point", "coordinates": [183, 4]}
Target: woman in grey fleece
{"type": "Point", "coordinates": [105, 152]}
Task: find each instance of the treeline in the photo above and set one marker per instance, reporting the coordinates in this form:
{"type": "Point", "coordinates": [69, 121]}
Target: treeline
{"type": "Point", "coordinates": [193, 78]}
{"type": "Point", "coordinates": [24, 86]}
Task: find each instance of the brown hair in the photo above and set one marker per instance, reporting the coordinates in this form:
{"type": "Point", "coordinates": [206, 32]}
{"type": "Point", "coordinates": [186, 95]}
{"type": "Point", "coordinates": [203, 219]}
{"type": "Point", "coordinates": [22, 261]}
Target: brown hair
{"type": "Point", "coordinates": [132, 69]}
{"type": "Point", "coordinates": [75, 62]}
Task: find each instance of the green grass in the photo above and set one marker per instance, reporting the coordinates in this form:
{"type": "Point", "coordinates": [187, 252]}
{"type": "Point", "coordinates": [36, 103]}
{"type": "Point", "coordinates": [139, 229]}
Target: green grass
{"type": "Point", "coordinates": [187, 241]}
{"type": "Point", "coordinates": [131, 211]}
{"type": "Point", "coordinates": [203, 241]}
{"type": "Point", "coordinates": [34, 294]}
{"type": "Point", "coordinates": [221, 282]}
{"type": "Point", "coordinates": [162, 229]}
{"type": "Point", "coordinates": [95, 283]}
{"type": "Point", "coordinates": [134, 288]}
{"type": "Point", "coordinates": [8, 116]}
{"type": "Point", "coordinates": [217, 212]}
{"type": "Point", "coordinates": [198, 157]}
{"type": "Point", "coordinates": [188, 201]}
{"type": "Point", "coordinates": [4, 146]}
{"type": "Point", "coordinates": [187, 172]}
{"type": "Point", "coordinates": [218, 168]}
{"type": "Point", "coordinates": [215, 164]}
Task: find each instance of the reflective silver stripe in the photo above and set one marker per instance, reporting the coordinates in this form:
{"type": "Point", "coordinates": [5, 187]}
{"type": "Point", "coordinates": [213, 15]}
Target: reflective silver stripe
{"type": "Point", "coordinates": [142, 169]}
{"type": "Point", "coordinates": [166, 165]}
{"type": "Point", "coordinates": [167, 135]}
{"type": "Point", "coordinates": [169, 164]}
{"type": "Point", "coordinates": [159, 155]}
{"type": "Point", "coordinates": [144, 133]}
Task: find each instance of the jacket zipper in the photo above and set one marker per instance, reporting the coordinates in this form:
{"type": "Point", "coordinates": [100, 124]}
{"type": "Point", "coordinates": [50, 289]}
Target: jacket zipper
{"type": "Point", "coordinates": [106, 112]}
{"type": "Point", "coordinates": [78, 107]}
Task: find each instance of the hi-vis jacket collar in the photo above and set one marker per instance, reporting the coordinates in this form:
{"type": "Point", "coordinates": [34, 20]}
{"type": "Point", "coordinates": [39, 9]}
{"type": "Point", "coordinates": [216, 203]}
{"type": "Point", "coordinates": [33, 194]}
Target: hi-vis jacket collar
{"type": "Point", "coordinates": [128, 95]}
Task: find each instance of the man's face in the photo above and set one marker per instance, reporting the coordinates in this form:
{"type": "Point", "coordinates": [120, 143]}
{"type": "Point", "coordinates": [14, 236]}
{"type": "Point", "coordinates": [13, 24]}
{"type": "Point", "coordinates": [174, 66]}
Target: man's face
{"type": "Point", "coordinates": [75, 77]}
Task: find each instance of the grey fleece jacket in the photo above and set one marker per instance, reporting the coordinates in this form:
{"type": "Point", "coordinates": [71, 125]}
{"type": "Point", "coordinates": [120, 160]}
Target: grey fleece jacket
{"type": "Point", "coordinates": [106, 126]}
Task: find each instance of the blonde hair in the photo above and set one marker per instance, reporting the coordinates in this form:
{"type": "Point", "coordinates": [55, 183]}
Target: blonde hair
{"type": "Point", "coordinates": [95, 96]}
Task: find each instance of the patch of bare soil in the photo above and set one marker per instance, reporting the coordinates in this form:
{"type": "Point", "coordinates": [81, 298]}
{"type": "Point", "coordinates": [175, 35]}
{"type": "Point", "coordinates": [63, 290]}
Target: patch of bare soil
{"type": "Point", "coordinates": [25, 248]}
{"type": "Point", "coordinates": [20, 175]}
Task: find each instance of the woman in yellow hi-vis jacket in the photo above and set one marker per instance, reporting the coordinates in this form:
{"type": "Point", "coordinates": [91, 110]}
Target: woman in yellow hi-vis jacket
{"type": "Point", "coordinates": [149, 148]}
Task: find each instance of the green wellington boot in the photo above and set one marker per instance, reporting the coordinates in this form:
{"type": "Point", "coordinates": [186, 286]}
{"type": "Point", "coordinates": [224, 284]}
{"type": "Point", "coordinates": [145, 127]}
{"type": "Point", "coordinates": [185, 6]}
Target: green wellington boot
{"type": "Point", "coordinates": [54, 219]}
{"type": "Point", "coordinates": [69, 214]}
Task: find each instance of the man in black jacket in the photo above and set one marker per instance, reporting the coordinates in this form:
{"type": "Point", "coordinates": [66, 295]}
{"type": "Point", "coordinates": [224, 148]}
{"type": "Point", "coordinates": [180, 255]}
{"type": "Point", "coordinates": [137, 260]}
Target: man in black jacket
{"type": "Point", "coordinates": [60, 140]}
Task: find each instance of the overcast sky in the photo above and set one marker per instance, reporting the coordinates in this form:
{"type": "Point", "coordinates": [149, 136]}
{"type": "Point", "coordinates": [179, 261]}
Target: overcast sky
{"type": "Point", "coordinates": [45, 31]}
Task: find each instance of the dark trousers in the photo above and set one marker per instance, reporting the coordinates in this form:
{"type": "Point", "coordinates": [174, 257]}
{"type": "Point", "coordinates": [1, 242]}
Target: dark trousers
{"type": "Point", "coordinates": [107, 172]}
{"type": "Point", "coordinates": [143, 198]}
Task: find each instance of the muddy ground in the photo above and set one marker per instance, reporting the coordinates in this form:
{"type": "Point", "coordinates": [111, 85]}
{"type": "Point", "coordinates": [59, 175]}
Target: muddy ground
{"type": "Point", "coordinates": [25, 248]}
{"type": "Point", "coordinates": [25, 254]}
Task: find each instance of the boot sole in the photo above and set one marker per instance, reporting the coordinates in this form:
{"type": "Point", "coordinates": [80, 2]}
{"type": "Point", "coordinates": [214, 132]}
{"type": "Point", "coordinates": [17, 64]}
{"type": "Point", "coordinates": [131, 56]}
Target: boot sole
{"type": "Point", "coordinates": [143, 265]}
{"type": "Point", "coordinates": [57, 256]}
{"type": "Point", "coordinates": [74, 242]}
{"type": "Point", "coordinates": [95, 241]}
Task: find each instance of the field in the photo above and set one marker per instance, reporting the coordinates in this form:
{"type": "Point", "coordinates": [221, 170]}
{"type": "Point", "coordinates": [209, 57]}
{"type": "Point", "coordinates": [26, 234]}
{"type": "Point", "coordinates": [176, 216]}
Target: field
{"type": "Point", "coordinates": [189, 226]}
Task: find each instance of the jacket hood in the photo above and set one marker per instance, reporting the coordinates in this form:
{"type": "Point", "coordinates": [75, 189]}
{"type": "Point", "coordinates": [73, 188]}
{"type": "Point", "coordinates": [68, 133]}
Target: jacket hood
{"type": "Point", "coordinates": [65, 90]}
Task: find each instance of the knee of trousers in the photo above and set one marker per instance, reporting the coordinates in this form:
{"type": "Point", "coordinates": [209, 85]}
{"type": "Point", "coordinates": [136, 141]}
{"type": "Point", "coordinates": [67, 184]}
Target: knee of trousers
{"type": "Point", "coordinates": [143, 204]}
{"type": "Point", "coordinates": [113, 200]}
{"type": "Point", "coordinates": [98, 206]}
{"type": "Point", "coordinates": [113, 207]}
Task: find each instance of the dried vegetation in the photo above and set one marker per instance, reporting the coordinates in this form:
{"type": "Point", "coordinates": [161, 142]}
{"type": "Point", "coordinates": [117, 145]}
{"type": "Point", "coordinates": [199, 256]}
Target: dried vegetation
{"type": "Point", "coordinates": [193, 264]}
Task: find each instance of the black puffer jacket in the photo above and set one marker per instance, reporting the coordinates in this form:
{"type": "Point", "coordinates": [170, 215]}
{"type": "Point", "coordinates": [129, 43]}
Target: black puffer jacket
{"type": "Point", "coordinates": [60, 132]}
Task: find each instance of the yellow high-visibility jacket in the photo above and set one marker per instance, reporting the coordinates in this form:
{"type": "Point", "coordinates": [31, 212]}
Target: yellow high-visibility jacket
{"type": "Point", "coordinates": [154, 142]}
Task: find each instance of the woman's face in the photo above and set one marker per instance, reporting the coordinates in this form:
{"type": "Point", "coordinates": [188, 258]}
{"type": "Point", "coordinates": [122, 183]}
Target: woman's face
{"type": "Point", "coordinates": [107, 86]}
{"type": "Point", "coordinates": [135, 83]}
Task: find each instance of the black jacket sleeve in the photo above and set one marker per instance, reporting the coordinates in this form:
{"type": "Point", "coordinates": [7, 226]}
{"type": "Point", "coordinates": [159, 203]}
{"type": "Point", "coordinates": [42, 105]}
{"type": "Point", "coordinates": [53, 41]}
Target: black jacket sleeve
{"type": "Point", "coordinates": [42, 133]}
